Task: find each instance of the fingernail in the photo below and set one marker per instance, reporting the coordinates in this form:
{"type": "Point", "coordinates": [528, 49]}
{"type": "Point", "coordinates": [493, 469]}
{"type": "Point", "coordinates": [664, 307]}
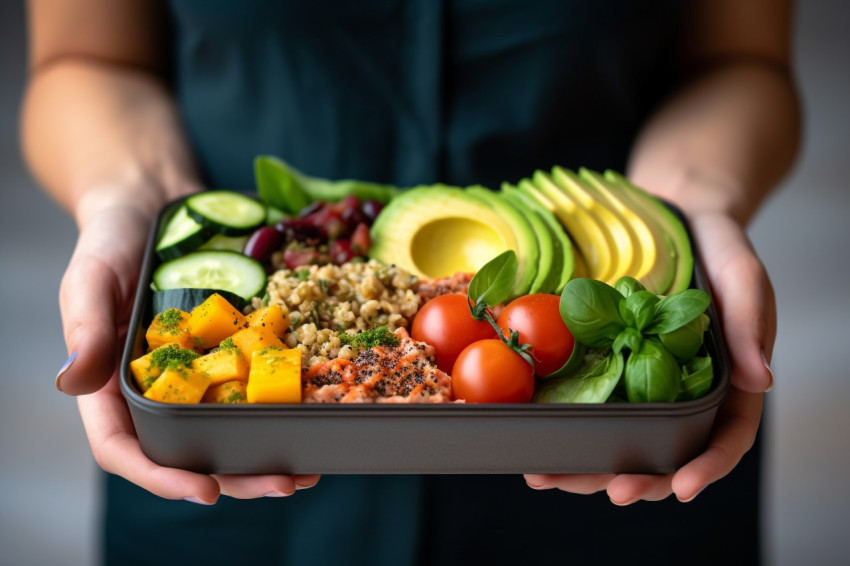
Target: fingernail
{"type": "Point", "coordinates": [769, 371]}
{"type": "Point", "coordinates": [63, 369]}
{"type": "Point", "coordinates": [544, 486]}
{"type": "Point", "coordinates": [196, 500]}
{"type": "Point", "coordinates": [299, 486]}
{"type": "Point", "coordinates": [691, 498]}
{"type": "Point", "coordinates": [623, 504]}
{"type": "Point", "coordinates": [275, 494]}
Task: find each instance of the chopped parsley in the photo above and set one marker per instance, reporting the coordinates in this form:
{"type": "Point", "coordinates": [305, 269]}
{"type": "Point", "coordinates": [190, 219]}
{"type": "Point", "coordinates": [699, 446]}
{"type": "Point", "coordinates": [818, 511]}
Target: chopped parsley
{"type": "Point", "coordinates": [302, 274]}
{"type": "Point", "coordinates": [227, 344]}
{"type": "Point", "coordinates": [378, 336]}
{"type": "Point", "coordinates": [169, 321]}
{"type": "Point", "coordinates": [172, 358]}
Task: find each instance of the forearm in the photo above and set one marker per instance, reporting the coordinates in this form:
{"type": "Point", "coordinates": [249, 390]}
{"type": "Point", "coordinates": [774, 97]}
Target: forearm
{"type": "Point", "coordinates": [98, 135]}
{"type": "Point", "coordinates": [723, 141]}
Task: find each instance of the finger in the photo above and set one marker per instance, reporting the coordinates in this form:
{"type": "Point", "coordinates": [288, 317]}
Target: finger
{"type": "Point", "coordinates": [574, 483]}
{"type": "Point", "coordinates": [116, 449]}
{"type": "Point", "coordinates": [250, 487]}
{"type": "Point", "coordinates": [734, 434]}
{"type": "Point", "coordinates": [626, 489]}
{"type": "Point", "coordinates": [745, 301]}
{"type": "Point", "coordinates": [306, 481]}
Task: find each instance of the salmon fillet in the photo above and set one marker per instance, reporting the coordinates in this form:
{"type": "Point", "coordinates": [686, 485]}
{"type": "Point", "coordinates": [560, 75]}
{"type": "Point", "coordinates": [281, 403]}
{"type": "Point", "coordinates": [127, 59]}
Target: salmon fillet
{"type": "Point", "coordinates": [406, 373]}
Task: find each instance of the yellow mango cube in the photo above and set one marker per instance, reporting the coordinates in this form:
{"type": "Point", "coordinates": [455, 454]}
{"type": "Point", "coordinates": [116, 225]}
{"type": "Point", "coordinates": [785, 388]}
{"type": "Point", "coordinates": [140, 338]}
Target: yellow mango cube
{"type": "Point", "coordinates": [145, 370]}
{"type": "Point", "coordinates": [228, 393]}
{"type": "Point", "coordinates": [169, 327]}
{"type": "Point", "coordinates": [214, 320]}
{"type": "Point", "coordinates": [255, 338]}
{"type": "Point", "coordinates": [275, 376]}
{"type": "Point", "coordinates": [271, 317]}
{"type": "Point", "coordinates": [225, 364]}
{"type": "Point", "coordinates": [180, 385]}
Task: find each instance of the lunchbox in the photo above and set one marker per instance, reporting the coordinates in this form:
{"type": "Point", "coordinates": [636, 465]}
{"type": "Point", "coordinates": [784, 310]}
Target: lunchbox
{"type": "Point", "coordinates": [419, 438]}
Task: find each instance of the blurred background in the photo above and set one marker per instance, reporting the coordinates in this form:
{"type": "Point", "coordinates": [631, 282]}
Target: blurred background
{"type": "Point", "coordinates": [48, 492]}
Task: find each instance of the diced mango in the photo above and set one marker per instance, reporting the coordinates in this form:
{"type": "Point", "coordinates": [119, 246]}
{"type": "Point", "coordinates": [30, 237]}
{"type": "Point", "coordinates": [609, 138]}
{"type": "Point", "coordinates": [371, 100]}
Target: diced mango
{"type": "Point", "coordinates": [228, 393]}
{"type": "Point", "coordinates": [169, 326]}
{"type": "Point", "coordinates": [272, 317]}
{"type": "Point", "coordinates": [226, 364]}
{"type": "Point", "coordinates": [145, 371]}
{"type": "Point", "coordinates": [214, 320]}
{"type": "Point", "coordinates": [275, 376]}
{"type": "Point", "coordinates": [179, 385]}
{"type": "Point", "coordinates": [254, 339]}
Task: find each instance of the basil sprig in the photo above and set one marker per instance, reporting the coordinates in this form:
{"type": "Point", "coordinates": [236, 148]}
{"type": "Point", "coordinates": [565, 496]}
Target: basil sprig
{"type": "Point", "coordinates": [659, 338]}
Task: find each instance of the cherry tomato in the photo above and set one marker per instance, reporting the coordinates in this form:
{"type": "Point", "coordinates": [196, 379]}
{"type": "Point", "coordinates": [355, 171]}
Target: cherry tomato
{"type": "Point", "coordinates": [488, 371]}
{"type": "Point", "coordinates": [537, 319]}
{"type": "Point", "coordinates": [445, 323]}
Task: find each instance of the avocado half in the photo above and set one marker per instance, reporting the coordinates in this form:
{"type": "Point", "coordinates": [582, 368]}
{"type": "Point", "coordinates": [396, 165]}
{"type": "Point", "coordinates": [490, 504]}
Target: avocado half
{"type": "Point", "coordinates": [437, 231]}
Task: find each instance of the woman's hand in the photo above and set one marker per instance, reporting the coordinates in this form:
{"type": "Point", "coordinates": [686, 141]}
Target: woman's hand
{"type": "Point", "coordinates": [96, 297]}
{"type": "Point", "coordinates": [745, 302]}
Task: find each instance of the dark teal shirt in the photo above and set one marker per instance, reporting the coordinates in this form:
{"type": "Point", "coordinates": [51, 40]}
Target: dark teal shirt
{"type": "Point", "coordinates": [419, 91]}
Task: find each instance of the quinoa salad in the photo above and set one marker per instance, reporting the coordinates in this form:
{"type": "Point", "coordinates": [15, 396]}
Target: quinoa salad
{"type": "Point", "coordinates": [323, 301]}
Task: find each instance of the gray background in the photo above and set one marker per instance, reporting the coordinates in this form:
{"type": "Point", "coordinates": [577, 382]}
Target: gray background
{"type": "Point", "coordinates": [48, 492]}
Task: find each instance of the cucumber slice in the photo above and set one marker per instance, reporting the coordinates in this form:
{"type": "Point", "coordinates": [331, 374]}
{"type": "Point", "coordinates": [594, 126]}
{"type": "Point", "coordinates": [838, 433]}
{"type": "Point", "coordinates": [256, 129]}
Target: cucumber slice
{"type": "Point", "coordinates": [181, 235]}
{"type": "Point", "coordinates": [188, 299]}
{"type": "Point", "coordinates": [214, 269]}
{"type": "Point", "coordinates": [221, 242]}
{"type": "Point", "coordinates": [226, 212]}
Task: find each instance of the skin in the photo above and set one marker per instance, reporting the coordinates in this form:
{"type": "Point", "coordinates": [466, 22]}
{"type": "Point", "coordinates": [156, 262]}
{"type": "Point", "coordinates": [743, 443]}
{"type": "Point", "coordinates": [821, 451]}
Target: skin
{"type": "Point", "coordinates": [101, 134]}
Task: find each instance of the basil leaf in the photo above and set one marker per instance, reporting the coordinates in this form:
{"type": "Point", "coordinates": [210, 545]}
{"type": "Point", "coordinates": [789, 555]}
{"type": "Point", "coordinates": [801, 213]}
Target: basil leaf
{"type": "Point", "coordinates": [678, 310]}
{"type": "Point", "coordinates": [698, 375]}
{"type": "Point", "coordinates": [685, 342]}
{"type": "Point", "coordinates": [572, 364]}
{"type": "Point", "coordinates": [629, 338]}
{"type": "Point", "coordinates": [278, 186]}
{"type": "Point", "coordinates": [642, 305]}
{"type": "Point", "coordinates": [592, 382]}
{"type": "Point", "coordinates": [492, 284]}
{"type": "Point", "coordinates": [591, 311]}
{"type": "Point", "coordinates": [627, 285]}
{"type": "Point", "coordinates": [652, 374]}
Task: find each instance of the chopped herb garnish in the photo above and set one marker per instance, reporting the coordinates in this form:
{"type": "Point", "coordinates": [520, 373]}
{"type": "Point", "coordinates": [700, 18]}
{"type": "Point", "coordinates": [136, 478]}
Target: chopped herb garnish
{"type": "Point", "coordinates": [227, 344]}
{"type": "Point", "coordinates": [378, 336]}
{"type": "Point", "coordinates": [302, 274]}
{"type": "Point", "coordinates": [169, 321]}
{"type": "Point", "coordinates": [172, 358]}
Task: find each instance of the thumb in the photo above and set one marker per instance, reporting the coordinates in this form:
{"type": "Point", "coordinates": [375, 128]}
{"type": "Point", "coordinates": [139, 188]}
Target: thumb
{"type": "Point", "coordinates": [95, 297]}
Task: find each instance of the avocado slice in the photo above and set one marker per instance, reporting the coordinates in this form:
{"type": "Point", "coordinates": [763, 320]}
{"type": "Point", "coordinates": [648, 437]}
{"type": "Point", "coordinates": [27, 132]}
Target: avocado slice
{"type": "Point", "coordinates": [529, 188]}
{"type": "Point", "coordinates": [670, 224]}
{"type": "Point", "coordinates": [549, 264]}
{"type": "Point", "coordinates": [563, 256]}
{"type": "Point", "coordinates": [437, 231]}
{"type": "Point", "coordinates": [598, 248]}
{"type": "Point", "coordinates": [528, 251]}
{"type": "Point", "coordinates": [657, 254]}
{"type": "Point", "coordinates": [617, 235]}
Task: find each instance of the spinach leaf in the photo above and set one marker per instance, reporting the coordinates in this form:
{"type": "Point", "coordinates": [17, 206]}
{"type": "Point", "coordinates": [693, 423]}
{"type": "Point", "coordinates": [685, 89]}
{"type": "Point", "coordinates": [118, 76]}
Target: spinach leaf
{"type": "Point", "coordinates": [591, 311]}
{"type": "Point", "coordinates": [697, 378]}
{"type": "Point", "coordinates": [572, 364]}
{"type": "Point", "coordinates": [627, 285]}
{"type": "Point", "coordinates": [684, 342]}
{"type": "Point", "coordinates": [652, 374]}
{"type": "Point", "coordinates": [678, 310]}
{"type": "Point", "coordinates": [592, 382]}
{"type": "Point", "coordinates": [278, 186]}
{"type": "Point", "coordinates": [492, 284]}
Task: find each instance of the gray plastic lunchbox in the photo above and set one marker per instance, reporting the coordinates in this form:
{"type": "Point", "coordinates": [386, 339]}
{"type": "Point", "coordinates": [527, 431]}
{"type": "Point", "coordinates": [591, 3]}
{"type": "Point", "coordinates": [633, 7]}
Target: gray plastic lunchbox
{"type": "Point", "coordinates": [419, 438]}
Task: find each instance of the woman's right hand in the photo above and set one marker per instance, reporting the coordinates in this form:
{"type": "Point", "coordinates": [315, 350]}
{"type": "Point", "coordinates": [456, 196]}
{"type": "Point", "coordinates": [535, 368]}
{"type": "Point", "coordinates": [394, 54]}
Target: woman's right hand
{"type": "Point", "coordinates": [96, 297]}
